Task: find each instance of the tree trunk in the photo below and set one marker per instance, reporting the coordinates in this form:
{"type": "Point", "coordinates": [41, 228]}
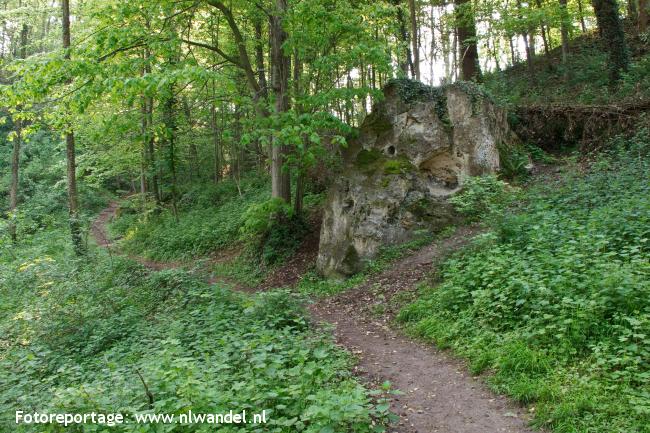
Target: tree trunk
{"type": "Point", "coordinates": [297, 93]}
{"type": "Point", "coordinates": [193, 154]}
{"type": "Point", "coordinates": [145, 158]}
{"type": "Point", "coordinates": [24, 31]}
{"type": "Point", "coordinates": [71, 166]}
{"type": "Point", "coordinates": [151, 150]}
{"type": "Point", "coordinates": [633, 11]}
{"type": "Point", "coordinates": [454, 51]}
{"type": "Point", "coordinates": [280, 69]}
{"type": "Point", "coordinates": [414, 39]}
{"type": "Point", "coordinates": [169, 116]}
{"type": "Point", "coordinates": [643, 16]}
{"type": "Point", "coordinates": [468, 51]}
{"type": "Point", "coordinates": [405, 64]}
{"type": "Point", "coordinates": [446, 50]}
{"type": "Point", "coordinates": [545, 32]}
{"type": "Point", "coordinates": [434, 57]}
{"type": "Point", "coordinates": [15, 153]}
{"type": "Point", "coordinates": [583, 26]}
{"type": "Point", "coordinates": [216, 135]}
{"type": "Point", "coordinates": [259, 60]}
{"type": "Point", "coordinates": [613, 36]}
{"type": "Point", "coordinates": [13, 190]}
{"type": "Point", "coordinates": [564, 30]}
{"type": "Point", "coordinates": [150, 139]}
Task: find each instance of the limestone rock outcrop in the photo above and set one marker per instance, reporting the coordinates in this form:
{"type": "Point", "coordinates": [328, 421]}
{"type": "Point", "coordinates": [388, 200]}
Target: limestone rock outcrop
{"type": "Point", "coordinates": [412, 152]}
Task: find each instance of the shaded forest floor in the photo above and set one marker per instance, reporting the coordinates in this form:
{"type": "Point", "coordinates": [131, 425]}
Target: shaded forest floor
{"type": "Point", "coordinates": [521, 296]}
{"type": "Point", "coordinates": [436, 391]}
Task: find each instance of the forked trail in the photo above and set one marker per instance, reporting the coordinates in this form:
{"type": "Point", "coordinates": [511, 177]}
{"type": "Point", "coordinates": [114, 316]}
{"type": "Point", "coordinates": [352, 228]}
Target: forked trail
{"type": "Point", "coordinates": [439, 395]}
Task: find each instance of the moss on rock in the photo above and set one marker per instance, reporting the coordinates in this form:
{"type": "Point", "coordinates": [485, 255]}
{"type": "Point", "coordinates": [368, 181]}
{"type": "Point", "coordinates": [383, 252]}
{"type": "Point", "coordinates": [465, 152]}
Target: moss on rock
{"type": "Point", "coordinates": [397, 166]}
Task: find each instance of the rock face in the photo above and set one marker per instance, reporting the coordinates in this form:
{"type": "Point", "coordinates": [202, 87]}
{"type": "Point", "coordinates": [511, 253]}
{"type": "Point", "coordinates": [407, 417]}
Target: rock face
{"type": "Point", "coordinates": [413, 151]}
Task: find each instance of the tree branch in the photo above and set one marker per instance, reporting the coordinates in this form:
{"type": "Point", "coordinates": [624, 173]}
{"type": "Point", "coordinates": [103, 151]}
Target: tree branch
{"type": "Point", "coordinates": [121, 49]}
{"type": "Point", "coordinates": [244, 60]}
{"type": "Point", "coordinates": [217, 50]}
{"type": "Point", "coordinates": [146, 389]}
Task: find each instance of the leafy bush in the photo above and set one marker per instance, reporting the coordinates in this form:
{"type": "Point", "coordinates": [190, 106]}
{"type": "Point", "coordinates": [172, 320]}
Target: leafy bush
{"type": "Point", "coordinates": [258, 218]}
{"type": "Point", "coordinates": [556, 301]}
{"type": "Point", "coordinates": [481, 196]}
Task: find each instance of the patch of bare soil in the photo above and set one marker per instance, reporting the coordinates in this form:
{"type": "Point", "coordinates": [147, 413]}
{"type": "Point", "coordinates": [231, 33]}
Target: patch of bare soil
{"type": "Point", "coordinates": [439, 394]}
{"type": "Point", "coordinates": [99, 231]}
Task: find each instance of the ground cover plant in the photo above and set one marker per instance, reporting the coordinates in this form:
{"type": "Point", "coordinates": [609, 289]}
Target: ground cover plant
{"type": "Point", "coordinates": [554, 301]}
{"type": "Point", "coordinates": [579, 80]}
{"type": "Point", "coordinates": [209, 219]}
{"type": "Point", "coordinates": [162, 161]}
{"type": "Point", "coordinates": [84, 336]}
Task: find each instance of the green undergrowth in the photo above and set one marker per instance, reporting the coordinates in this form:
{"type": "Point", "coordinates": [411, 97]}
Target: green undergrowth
{"type": "Point", "coordinates": [582, 80]}
{"type": "Point", "coordinates": [271, 234]}
{"type": "Point", "coordinates": [555, 300]}
{"type": "Point", "coordinates": [245, 269]}
{"type": "Point", "coordinates": [81, 336]}
{"type": "Point", "coordinates": [211, 218]}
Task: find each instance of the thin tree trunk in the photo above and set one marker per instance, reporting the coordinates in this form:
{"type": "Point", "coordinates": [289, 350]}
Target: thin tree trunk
{"type": "Point", "coordinates": [434, 59]}
{"type": "Point", "coordinates": [405, 64]}
{"type": "Point", "coordinates": [13, 190]}
{"type": "Point", "coordinates": [263, 84]}
{"type": "Point", "coordinates": [145, 165]}
{"type": "Point", "coordinates": [528, 43]}
{"type": "Point", "coordinates": [297, 91]}
{"type": "Point", "coordinates": [193, 157]}
{"type": "Point", "coordinates": [24, 31]}
{"type": "Point", "coordinates": [259, 60]}
{"type": "Point", "coordinates": [529, 57]}
{"type": "Point", "coordinates": [633, 11]}
{"type": "Point", "coordinates": [466, 28]}
{"type": "Point", "coordinates": [613, 36]}
{"type": "Point", "coordinates": [169, 120]}
{"type": "Point", "coordinates": [15, 153]}
{"type": "Point", "coordinates": [414, 39]}
{"type": "Point", "coordinates": [513, 57]}
{"type": "Point", "coordinates": [544, 31]}
{"type": "Point", "coordinates": [564, 30]}
{"type": "Point", "coordinates": [71, 166]}
{"type": "Point", "coordinates": [216, 136]}
{"type": "Point", "coordinates": [170, 126]}
{"type": "Point", "coordinates": [643, 16]}
{"type": "Point", "coordinates": [149, 138]}
{"type": "Point", "coordinates": [454, 50]}
{"type": "Point", "coordinates": [445, 42]}
{"type": "Point", "coordinates": [373, 73]}
{"type": "Point", "coordinates": [151, 151]}
{"type": "Point", "coordinates": [280, 69]}
{"type": "Point", "coordinates": [583, 26]}
{"type": "Point", "coordinates": [143, 179]}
